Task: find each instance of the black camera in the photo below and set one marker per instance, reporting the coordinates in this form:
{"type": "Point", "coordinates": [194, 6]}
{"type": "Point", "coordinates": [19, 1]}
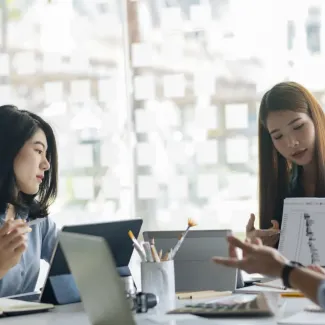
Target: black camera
{"type": "Point", "coordinates": [141, 301]}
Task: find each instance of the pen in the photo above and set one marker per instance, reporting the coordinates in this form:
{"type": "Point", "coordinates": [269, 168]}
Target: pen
{"type": "Point", "coordinates": [137, 247]}
{"type": "Point", "coordinates": [147, 250]}
{"type": "Point", "coordinates": [292, 295]}
{"type": "Point", "coordinates": [165, 257]}
{"type": "Point", "coordinates": [155, 254]}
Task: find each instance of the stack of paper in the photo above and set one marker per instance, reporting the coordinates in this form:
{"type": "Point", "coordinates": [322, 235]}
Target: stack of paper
{"type": "Point", "coordinates": [10, 307]}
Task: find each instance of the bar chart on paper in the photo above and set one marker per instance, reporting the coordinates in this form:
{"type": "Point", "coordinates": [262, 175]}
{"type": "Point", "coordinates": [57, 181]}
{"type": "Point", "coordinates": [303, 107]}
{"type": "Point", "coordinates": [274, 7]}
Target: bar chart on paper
{"type": "Point", "coordinates": [302, 232]}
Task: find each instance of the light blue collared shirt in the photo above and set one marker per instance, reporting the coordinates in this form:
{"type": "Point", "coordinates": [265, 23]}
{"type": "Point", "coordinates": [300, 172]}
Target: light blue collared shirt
{"type": "Point", "coordinates": [321, 294]}
{"type": "Point", "coordinates": [22, 278]}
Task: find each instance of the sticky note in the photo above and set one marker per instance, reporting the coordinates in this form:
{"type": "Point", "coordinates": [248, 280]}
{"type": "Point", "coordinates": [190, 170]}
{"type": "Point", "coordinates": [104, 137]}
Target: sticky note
{"type": "Point", "coordinates": [147, 187]}
{"type": "Point", "coordinates": [237, 150]}
{"type": "Point", "coordinates": [207, 152]}
{"type": "Point", "coordinates": [83, 187]}
{"type": "Point", "coordinates": [236, 116]}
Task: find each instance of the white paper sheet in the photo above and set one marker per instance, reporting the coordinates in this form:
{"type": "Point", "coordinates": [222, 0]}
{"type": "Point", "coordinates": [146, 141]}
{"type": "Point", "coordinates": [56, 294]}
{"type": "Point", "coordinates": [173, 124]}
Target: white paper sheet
{"type": "Point", "coordinates": [109, 154]}
{"type": "Point", "coordinates": [111, 187]}
{"type": "Point", "coordinates": [207, 185]}
{"type": "Point", "coordinates": [53, 91]}
{"type": "Point", "coordinates": [207, 152]}
{"type": "Point", "coordinates": [107, 89]}
{"type": "Point", "coordinates": [83, 156]}
{"type": "Point", "coordinates": [144, 87]}
{"type": "Point", "coordinates": [83, 187]}
{"type": "Point", "coordinates": [147, 187]}
{"type": "Point", "coordinates": [178, 187]}
{"type": "Point", "coordinates": [145, 120]}
{"type": "Point", "coordinates": [52, 63]}
{"type": "Point", "coordinates": [237, 150]}
{"type": "Point", "coordinates": [204, 84]}
{"type": "Point", "coordinates": [79, 63]}
{"type": "Point", "coordinates": [146, 154]}
{"type": "Point", "coordinates": [177, 152]}
{"type": "Point", "coordinates": [171, 18]}
{"type": "Point", "coordinates": [304, 216]}
{"type": "Point", "coordinates": [174, 85]}
{"type": "Point", "coordinates": [111, 122]}
{"type": "Point", "coordinates": [236, 116]}
{"type": "Point", "coordinates": [80, 91]}
{"type": "Point", "coordinates": [142, 55]}
{"type": "Point", "coordinates": [200, 15]}
{"type": "Point", "coordinates": [24, 63]}
{"type": "Point", "coordinates": [206, 118]}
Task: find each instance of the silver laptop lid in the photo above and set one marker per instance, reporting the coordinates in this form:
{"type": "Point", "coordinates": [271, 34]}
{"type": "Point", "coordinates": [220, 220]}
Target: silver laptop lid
{"type": "Point", "coordinates": [194, 269]}
{"type": "Point", "coordinates": [92, 266]}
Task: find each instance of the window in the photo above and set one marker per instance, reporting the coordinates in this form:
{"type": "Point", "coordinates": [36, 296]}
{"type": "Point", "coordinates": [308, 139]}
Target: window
{"type": "Point", "coordinates": [168, 132]}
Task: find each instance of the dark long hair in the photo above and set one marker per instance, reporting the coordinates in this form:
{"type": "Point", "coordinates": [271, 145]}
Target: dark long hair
{"type": "Point", "coordinates": [16, 127]}
{"type": "Point", "coordinates": [274, 169]}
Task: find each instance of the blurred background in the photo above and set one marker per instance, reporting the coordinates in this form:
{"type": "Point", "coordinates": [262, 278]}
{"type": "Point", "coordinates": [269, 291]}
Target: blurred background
{"type": "Point", "coordinates": [155, 102]}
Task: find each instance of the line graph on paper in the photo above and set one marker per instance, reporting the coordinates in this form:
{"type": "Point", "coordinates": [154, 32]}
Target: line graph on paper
{"type": "Point", "coordinates": [314, 255]}
{"type": "Point", "coordinates": [303, 231]}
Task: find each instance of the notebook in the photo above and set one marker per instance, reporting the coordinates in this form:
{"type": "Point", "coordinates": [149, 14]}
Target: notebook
{"type": "Point", "coordinates": [10, 307]}
{"type": "Point", "coordinates": [302, 231]}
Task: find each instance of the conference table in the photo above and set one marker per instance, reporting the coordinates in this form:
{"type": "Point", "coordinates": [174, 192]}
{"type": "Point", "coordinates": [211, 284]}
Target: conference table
{"type": "Point", "coordinates": [75, 314]}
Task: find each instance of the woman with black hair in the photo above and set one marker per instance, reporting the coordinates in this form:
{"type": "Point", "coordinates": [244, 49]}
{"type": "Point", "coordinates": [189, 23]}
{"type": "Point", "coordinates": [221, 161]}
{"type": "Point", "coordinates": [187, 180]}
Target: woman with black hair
{"type": "Point", "coordinates": [28, 185]}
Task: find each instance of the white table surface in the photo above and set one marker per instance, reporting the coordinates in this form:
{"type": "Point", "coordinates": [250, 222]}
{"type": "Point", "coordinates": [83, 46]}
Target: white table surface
{"type": "Point", "coordinates": [74, 314]}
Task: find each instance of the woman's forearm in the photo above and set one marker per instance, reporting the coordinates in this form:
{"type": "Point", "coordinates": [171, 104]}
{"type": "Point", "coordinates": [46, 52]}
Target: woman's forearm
{"type": "Point", "coordinates": [308, 282]}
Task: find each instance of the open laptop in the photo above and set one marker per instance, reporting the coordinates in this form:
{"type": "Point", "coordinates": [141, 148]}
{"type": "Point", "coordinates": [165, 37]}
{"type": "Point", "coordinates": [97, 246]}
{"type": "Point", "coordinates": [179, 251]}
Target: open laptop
{"type": "Point", "coordinates": [194, 269]}
{"type": "Point", "coordinates": [98, 281]}
{"type": "Point", "coordinates": [59, 286]}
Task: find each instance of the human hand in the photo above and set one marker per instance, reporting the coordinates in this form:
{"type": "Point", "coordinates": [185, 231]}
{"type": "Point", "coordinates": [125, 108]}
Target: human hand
{"type": "Point", "coordinates": [269, 236]}
{"type": "Point", "coordinates": [316, 268]}
{"type": "Point", "coordinates": [256, 257]}
{"type": "Point", "coordinates": [13, 243]}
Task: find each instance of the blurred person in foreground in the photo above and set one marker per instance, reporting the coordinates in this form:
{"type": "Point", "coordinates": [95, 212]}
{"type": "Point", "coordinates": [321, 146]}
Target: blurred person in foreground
{"type": "Point", "coordinates": [265, 260]}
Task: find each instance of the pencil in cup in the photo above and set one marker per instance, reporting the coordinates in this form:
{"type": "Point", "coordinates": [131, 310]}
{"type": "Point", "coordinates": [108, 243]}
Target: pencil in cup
{"type": "Point", "coordinates": [190, 223]}
{"type": "Point", "coordinates": [159, 278]}
{"type": "Point", "coordinates": [147, 250]}
{"type": "Point", "coordinates": [137, 247]}
{"type": "Point", "coordinates": [154, 253]}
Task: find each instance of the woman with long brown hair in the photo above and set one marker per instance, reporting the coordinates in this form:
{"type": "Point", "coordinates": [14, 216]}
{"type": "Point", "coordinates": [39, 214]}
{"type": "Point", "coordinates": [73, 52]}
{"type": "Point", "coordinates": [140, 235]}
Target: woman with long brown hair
{"type": "Point", "coordinates": [291, 154]}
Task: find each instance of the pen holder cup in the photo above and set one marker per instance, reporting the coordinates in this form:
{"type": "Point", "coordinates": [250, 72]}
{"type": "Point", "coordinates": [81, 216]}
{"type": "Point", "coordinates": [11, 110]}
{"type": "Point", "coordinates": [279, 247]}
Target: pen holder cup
{"type": "Point", "coordinates": [159, 279]}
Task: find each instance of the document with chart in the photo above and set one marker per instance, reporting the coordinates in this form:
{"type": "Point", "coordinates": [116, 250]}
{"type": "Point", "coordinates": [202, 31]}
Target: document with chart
{"type": "Point", "coordinates": [302, 231]}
